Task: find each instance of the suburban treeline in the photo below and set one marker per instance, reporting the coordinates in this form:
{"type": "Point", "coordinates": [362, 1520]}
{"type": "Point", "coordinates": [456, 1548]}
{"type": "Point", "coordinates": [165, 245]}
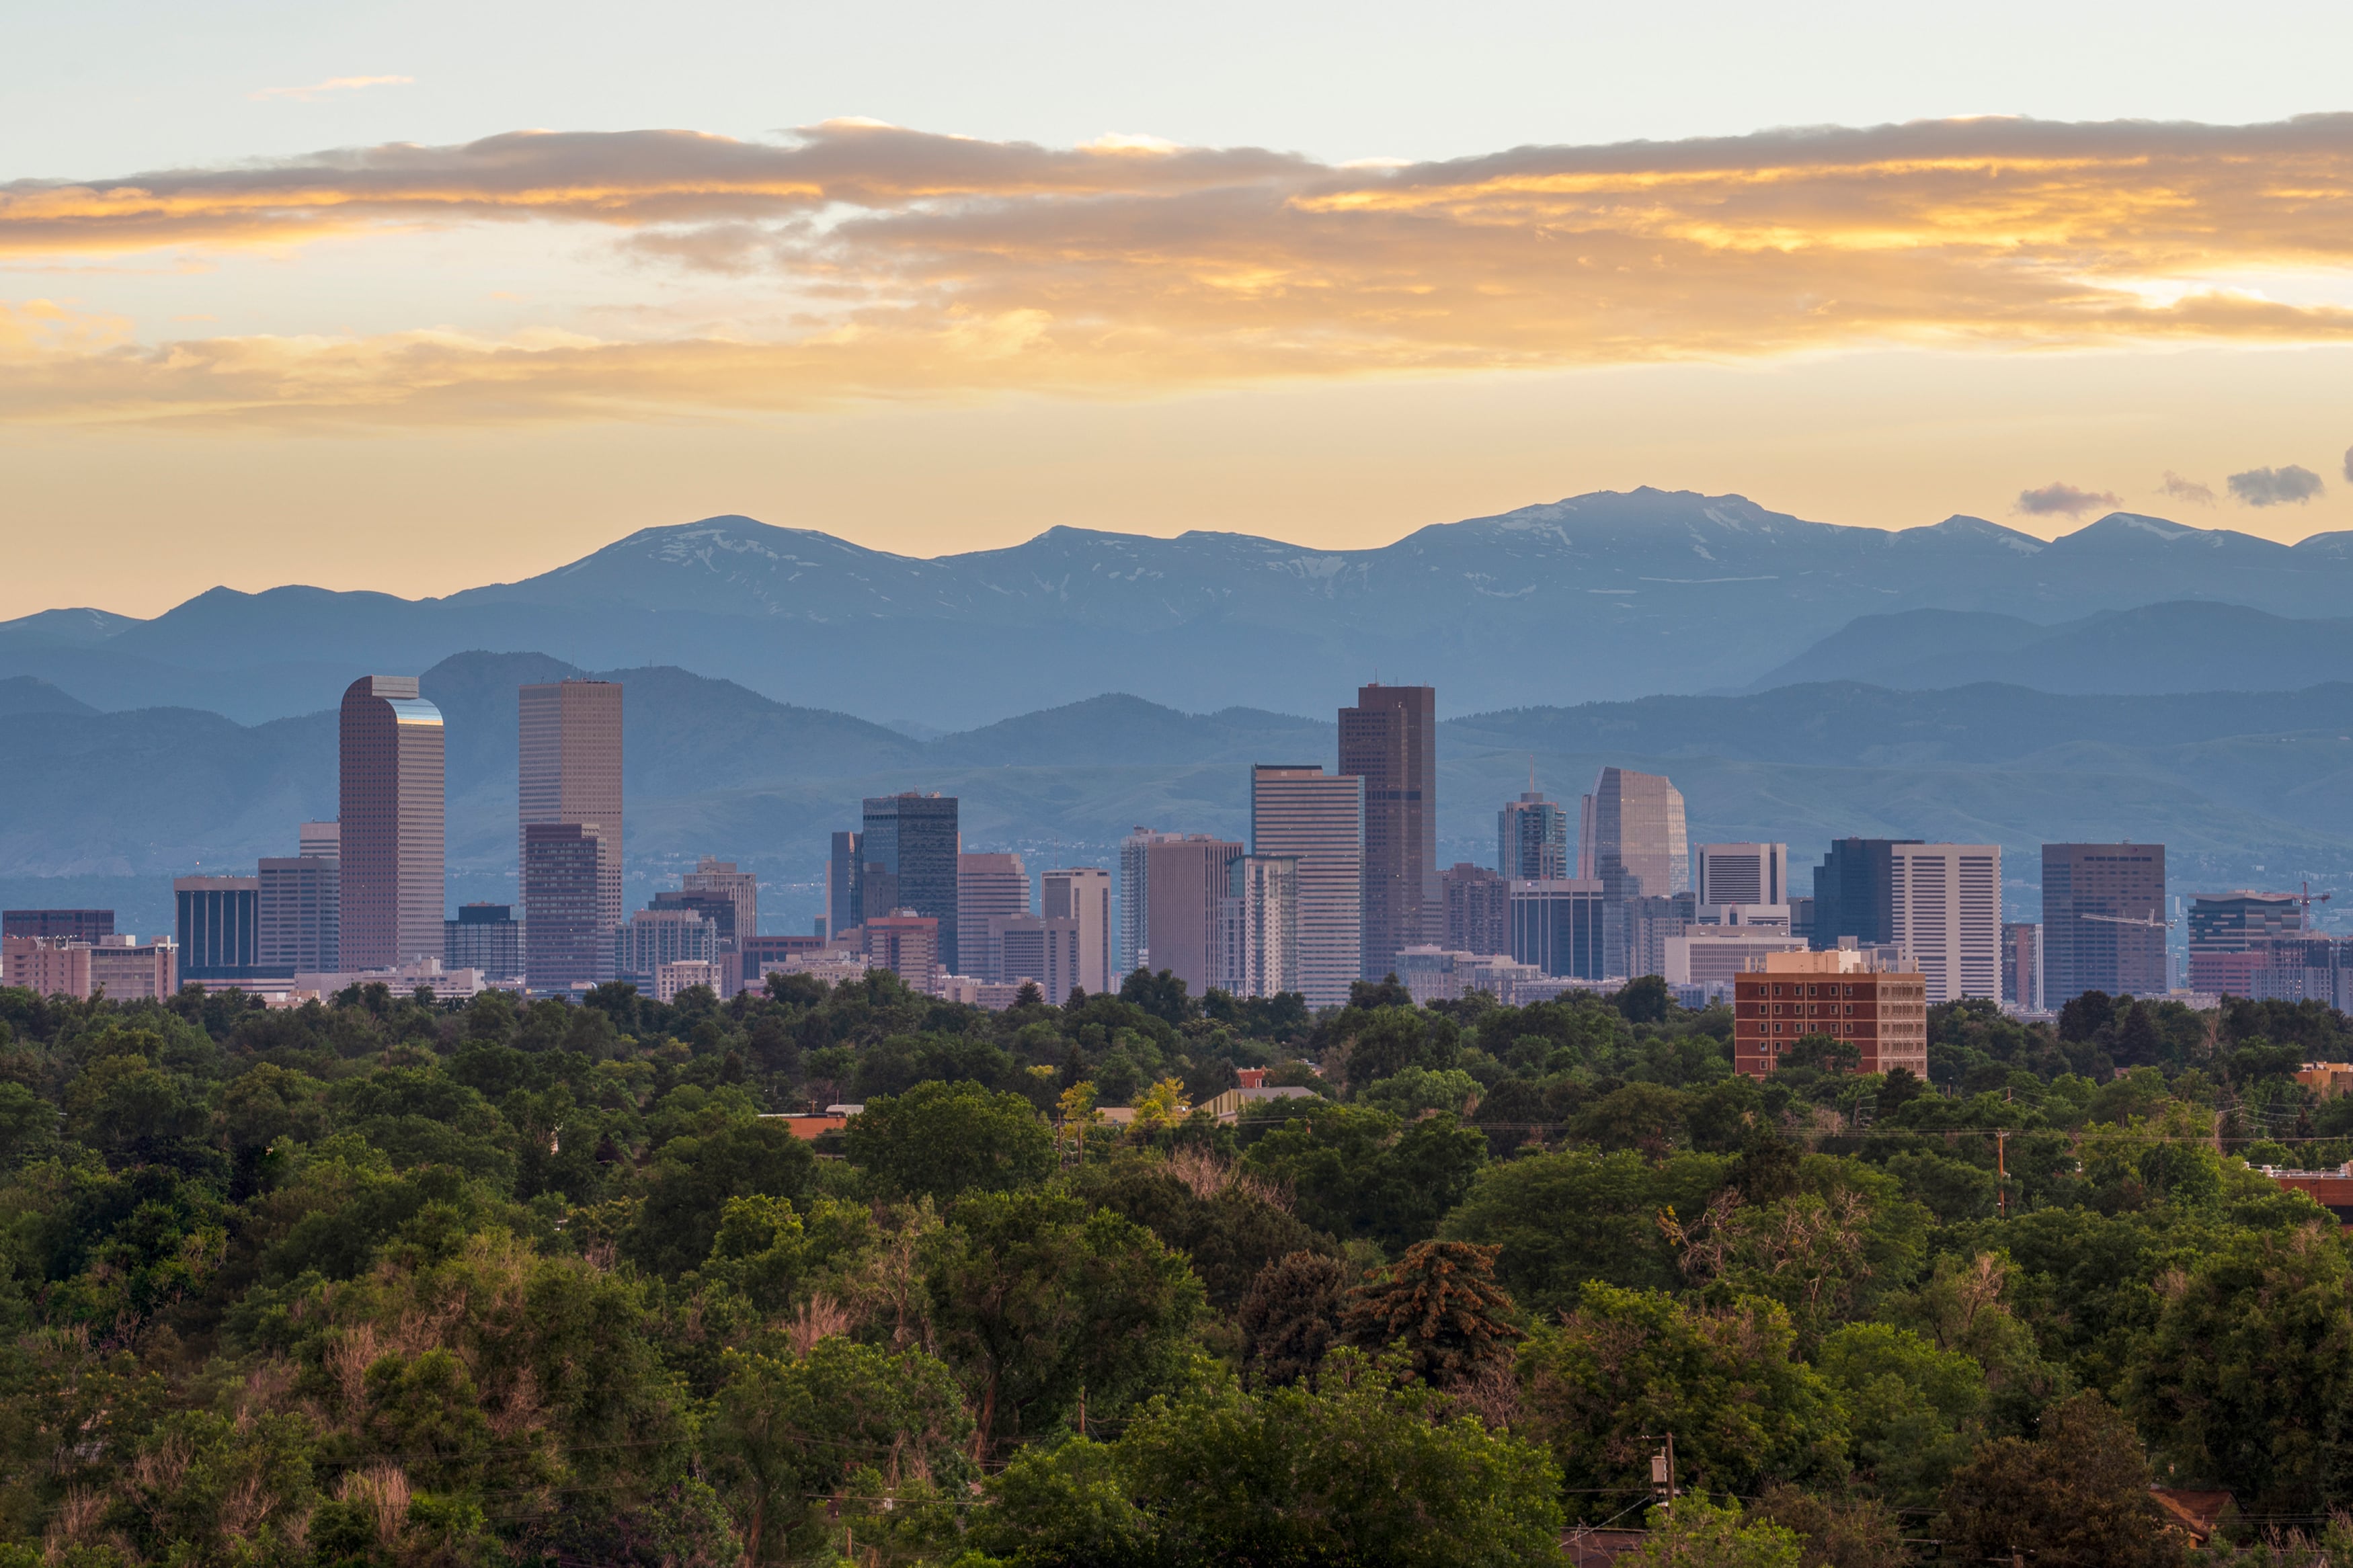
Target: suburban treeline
{"type": "Point", "coordinates": [383, 1282]}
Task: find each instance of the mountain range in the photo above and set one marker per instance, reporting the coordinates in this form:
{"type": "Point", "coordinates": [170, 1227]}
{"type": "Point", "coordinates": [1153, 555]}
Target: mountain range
{"type": "Point", "coordinates": [1601, 596]}
{"type": "Point", "coordinates": [2242, 787]}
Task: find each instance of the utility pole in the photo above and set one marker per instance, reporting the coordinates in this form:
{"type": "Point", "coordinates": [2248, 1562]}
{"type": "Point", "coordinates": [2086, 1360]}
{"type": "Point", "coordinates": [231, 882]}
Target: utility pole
{"type": "Point", "coordinates": [2001, 1169]}
{"type": "Point", "coordinates": [1663, 1486]}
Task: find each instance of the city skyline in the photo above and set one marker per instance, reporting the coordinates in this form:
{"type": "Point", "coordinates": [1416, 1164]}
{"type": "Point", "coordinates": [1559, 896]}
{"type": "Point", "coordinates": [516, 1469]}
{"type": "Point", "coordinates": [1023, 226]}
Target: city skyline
{"type": "Point", "coordinates": [1934, 906]}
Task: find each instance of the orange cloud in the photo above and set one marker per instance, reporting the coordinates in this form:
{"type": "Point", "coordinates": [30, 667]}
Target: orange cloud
{"type": "Point", "coordinates": [935, 265]}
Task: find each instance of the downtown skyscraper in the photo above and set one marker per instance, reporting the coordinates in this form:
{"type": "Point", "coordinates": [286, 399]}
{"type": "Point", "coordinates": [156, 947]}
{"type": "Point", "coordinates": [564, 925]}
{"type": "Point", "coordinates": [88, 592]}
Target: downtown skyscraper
{"type": "Point", "coordinates": [908, 846]}
{"type": "Point", "coordinates": [394, 838]}
{"type": "Point", "coordinates": [1389, 739]}
{"type": "Point", "coordinates": [1631, 836]}
{"type": "Point", "coordinates": [2103, 921]}
{"type": "Point", "coordinates": [1318, 820]}
{"type": "Point", "coordinates": [568, 777]}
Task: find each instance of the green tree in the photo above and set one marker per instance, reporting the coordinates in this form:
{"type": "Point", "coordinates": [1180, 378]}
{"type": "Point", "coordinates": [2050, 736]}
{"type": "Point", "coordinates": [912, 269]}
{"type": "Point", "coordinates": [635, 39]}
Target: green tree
{"type": "Point", "coordinates": [1353, 1172]}
{"type": "Point", "coordinates": [1440, 1301]}
{"type": "Point", "coordinates": [1231, 1234]}
{"type": "Point", "coordinates": [2076, 1496]}
{"type": "Point", "coordinates": [1644, 1116]}
{"type": "Point", "coordinates": [785, 1433]}
{"type": "Point", "coordinates": [1292, 1317]}
{"type": "Point", "coordinates": [688, 1188]}
{"type": "Point", "coordinates": [1037, 1299]}
{"type": "Point", "coordinates": [1835, 1531]}
{"type": "Point", "coordinates": [1363, 1468]}
{"type": "Point", "coordinates": [2247, 1377]}
{"type": "Point", "coordinates": [943, 1140]}
{"type": "Point", "coordinates": [1418, 1088]}
{"type": "Point", "coordinates": [1912, 1411]}
{"type": "Point", "coordinates": [1696, 1533]}
{"type": "Point", "coordinates": [1629, 1364]}
{"type": "Point", "coordinates": [1564, 1219]}
{"type": "Point", "coordinates": [1385, 1041]}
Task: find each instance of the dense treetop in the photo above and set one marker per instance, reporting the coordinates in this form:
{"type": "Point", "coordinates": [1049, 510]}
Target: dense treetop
{"type": "Point", "coordinates": [387, 1283]}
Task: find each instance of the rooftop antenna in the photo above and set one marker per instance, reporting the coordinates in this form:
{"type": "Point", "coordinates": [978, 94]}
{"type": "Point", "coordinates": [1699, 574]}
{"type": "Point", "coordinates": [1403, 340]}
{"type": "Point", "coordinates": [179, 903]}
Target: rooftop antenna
{"type": "Point", "coordinates": [1532, 773]}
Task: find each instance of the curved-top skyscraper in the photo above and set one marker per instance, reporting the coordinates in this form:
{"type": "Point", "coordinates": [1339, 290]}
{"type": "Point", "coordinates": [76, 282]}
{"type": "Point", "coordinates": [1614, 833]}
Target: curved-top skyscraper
{"type": "Point", "coordinates": [1632, 836]}
{"type": "Point", "coordinates": [393, 834]}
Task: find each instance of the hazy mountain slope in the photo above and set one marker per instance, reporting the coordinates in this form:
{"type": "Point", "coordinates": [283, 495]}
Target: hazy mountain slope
{"type": "Point", "coordinates": [1604, 595]}
{"type": "Point", "coordinates": [26, 694]}
{"type": "Point", "coordinates": [2181, 646]}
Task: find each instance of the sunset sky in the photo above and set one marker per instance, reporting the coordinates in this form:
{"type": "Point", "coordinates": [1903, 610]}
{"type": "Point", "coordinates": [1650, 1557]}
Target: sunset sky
{"type": "Point", "coordinates": [444, 294]}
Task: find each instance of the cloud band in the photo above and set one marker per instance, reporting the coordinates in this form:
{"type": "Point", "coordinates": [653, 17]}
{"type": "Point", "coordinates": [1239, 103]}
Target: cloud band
{"type": "Point", "coordinates": [935, 264]}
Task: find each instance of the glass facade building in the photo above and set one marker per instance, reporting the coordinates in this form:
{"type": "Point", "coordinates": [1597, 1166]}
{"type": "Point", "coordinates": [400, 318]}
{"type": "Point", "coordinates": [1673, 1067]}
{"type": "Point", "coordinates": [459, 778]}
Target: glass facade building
{"type": "Point", "coordinates": [2103, 921]}
{"type": "Point", "coordinates": [909, 845]}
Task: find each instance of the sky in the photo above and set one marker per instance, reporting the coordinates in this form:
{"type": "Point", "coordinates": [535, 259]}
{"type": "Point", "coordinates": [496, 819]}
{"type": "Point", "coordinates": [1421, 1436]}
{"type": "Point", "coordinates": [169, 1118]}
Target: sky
{"type": "Point", "coordinates": [414, 297]}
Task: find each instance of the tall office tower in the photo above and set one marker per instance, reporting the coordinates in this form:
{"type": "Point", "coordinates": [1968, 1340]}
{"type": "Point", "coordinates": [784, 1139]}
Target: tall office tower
{"type": "Point", "coordinates": [391, 823]}
{"type": "Point", "coordinates": [845, 886]}
{"type": "Point", "coordinates": [320, 840]}
{"type": "Point", "coordinates": [567, 943]}
{"type": "Point", "coordinates": [488, 937]}
{"type": "Point", "coordinates": [1478, 908]}
{"type": "Point", "coordinates": [220, 927]}
{"type": "Point", "coordinates": [743, 887]}
{"type": "Point", "coordinates": [1262, 926]}
{"type": "Point", "coordinates": [1851, 892]}
{"type": "Point", "coordinates": [1945, 899]}
{"type": "Point", "coordinates": [909, 846]}
{"type": "Point", "coordinates": [2103, 921]}
{"type": "Point", "coordinates": [1134, 894]}
{"type": "Point", "coordinates": [987, 885]}
{"type": "Point", "coordinates": [1317, 819]}
{"type": "Point", "coordinates": [1184, 927]}
{"type": "Point", "coordinates": [91, 926]}
{"type": "Point", "coordinates": [302, 910]}
{"type": "Point", "coordinates": [569, 770]}
{"type": "Point", "coordinates": [1640, 844]}
{"type": "Point", "coordinates": [1743, 873]}
{"type": "Point", "coordinates": [1558, 925]}
{"type": "Point", "coordinates": [1586, 832]}
{"type": "Point", "coordinates": [2229, 936]}
{"type": "Point", "coordinates": [1082, 893]}
{"type": "Point", "coordinates": [1390, 738]}
{"type": "Point", "coordinates": [1531, 840]}
{"type": "Point", "coordinates": [2022, 964]}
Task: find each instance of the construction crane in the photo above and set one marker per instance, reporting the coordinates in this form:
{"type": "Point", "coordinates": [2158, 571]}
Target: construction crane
{"type": "Point", "coordinates": [2132, 921]}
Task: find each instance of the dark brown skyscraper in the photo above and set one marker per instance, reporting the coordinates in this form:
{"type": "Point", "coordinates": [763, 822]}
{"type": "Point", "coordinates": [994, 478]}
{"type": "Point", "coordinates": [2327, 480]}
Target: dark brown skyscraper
{"type": "Point", "coordinates": [1390, 738]}
{"type": "Point", "coordinates": [393, 838]}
